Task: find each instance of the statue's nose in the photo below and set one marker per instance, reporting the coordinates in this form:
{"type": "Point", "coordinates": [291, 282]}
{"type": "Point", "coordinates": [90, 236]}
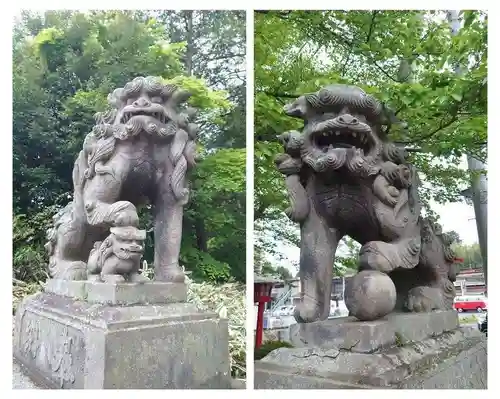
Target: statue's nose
{"type": "Point", "coordinates": [348, 119]}
{"type": "Point", "coordinates": [141, 102]}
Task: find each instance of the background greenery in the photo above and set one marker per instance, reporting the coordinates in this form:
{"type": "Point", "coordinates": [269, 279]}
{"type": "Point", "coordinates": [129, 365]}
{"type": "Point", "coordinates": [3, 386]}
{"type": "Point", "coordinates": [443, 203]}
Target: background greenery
{"type": "Point", "coordinates": [64, 65]}
{"type": "Point", "coordinates": [407, 59]}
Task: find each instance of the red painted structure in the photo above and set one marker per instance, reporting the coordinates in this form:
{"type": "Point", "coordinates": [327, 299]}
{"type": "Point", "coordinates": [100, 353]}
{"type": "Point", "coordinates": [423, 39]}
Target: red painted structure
{"type": "Point", "coordinates": [262, 295]}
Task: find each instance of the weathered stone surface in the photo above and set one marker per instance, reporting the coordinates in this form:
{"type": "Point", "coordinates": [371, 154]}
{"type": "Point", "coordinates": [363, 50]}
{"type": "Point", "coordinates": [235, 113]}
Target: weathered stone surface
{"type": "Point", "coordinates": [446, 361]}
{"type": "Point", "coordinates": [369, 336]}
{"type": "Point", "coordinates": [22, 380]}
{"type": "Point", "coordinates": [272, 376]}
{"type": "Point", "coordinates": [65, 343]}
{"type": "Point", "coordinates": [152, 292]}
{"type": "Point", "coordinates": [346, 178]}
{"type": "Point", "coordinates": [370, 295]}
{"type": "Point", "coordinates": [68, 288]}
{"type": "Point", "coordinates": [139, 150]}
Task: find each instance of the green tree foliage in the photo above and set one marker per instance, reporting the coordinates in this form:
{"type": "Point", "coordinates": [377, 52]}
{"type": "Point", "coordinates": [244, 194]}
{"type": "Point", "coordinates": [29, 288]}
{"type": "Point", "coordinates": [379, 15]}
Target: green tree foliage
{"type": "Point", "coordinates": [471, 255]}
{"type": "Point", "coordinates": [405, 58]}
{"type": "Point", "coordinates": [346, 259]}
{"type": "Point", "coordinates": [64, 65]}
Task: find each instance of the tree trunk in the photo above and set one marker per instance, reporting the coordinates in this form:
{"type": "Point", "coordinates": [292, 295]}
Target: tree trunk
{"type": "Point", "coordinates": [201, 234]}
{"type": "Point", "coordinates": [479, 182]}
{"type": "Point", "coordinates": [188, 22]}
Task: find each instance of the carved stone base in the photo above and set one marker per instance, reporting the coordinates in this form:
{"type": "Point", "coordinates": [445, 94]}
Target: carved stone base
{"type": "Point", "coordinates": [119, 293]}
{"type": "Point", "coordinates": [369, 336]}
{"type": "Point", "coordinates": [68, 343]}
{"type": "Point", "coordinates": [407, 351]}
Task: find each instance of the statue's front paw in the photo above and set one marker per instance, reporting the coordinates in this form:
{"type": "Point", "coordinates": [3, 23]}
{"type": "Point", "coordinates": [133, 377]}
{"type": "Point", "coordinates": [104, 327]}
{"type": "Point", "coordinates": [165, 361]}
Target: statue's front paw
{"type": "Point", "coordinates": [424, 299]}
{"type": "Point", "coordinates": [126, 218]}
{"type": "Point", "coordinates": [305, 314]}
{"type": "Point", "coordinates": [377, 255]}
{"type": "Point", "coordinates": [124, 213]}
{"type": "Point", "coordinates": [310, 310]}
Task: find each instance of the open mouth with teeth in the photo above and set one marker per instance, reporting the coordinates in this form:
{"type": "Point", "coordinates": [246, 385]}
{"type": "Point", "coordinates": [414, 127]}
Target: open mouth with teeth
{"type": "Point", "coordinates": [128, 115]}
{"type": "Point", "coordinates": [343, 138]}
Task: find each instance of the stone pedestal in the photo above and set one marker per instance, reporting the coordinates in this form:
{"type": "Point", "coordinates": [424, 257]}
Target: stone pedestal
{"type": "Point", "coordinates": [405, 351]}
{"type": "Point", "coordinates": [97, 335]}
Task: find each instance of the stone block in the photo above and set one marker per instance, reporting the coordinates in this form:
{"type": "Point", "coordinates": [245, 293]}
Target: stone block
{"type": "Point", "coordinates": [370, 336]}
{"type": "Point", "coordinates": [68, 343]}
{"type": "Point", "coordinates": [455, 359]}
{"type": "Point", "coordinates": [152, 292]}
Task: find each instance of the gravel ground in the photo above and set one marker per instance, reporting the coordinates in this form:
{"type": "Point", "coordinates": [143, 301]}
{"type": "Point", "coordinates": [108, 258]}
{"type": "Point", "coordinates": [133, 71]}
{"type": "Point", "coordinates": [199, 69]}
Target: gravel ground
{"type": "Point", "coordinates": [20, 380]}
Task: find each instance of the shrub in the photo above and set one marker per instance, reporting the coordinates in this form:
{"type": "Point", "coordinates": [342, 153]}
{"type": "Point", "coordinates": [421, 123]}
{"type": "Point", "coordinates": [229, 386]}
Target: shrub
{"type": "Point", "coordinates": [228, 301]}
{"type": "Point", "coordinates": [268, 347]}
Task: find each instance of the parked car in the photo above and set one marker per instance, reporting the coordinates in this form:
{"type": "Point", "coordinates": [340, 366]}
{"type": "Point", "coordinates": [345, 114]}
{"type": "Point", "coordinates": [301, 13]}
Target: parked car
{"type": "Point", "coordinates": [482, 324]}
{"type": "Point", "coordinates": [470, 303]}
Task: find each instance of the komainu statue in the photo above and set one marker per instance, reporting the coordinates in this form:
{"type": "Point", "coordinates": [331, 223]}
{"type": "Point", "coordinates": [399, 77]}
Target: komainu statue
{"type": "Point", "coordinates": [344, 177]}
{"type": "Point", "coordinates": [138, 151]}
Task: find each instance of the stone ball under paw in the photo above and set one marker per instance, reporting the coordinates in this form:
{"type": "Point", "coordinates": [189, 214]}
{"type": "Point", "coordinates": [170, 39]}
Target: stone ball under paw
{"type": "Point", "coordinates": [370, 295]}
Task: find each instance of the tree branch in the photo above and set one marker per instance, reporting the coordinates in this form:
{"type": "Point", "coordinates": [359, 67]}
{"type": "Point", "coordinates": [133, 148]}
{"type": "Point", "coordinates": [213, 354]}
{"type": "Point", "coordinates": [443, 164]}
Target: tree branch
{"type": "Point", "coordinates": [384, 72]}
{"type": "Point", "coordinates": [372, 24]}
{"type": "Point", "coordinates": [441, 127]}
{"type": "Point", "coordinates": [367, 41]}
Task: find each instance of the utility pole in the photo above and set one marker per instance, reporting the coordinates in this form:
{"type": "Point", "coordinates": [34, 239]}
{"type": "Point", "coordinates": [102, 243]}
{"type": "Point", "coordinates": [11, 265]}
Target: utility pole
{"type": "Point", "coordinates": [478, 191]}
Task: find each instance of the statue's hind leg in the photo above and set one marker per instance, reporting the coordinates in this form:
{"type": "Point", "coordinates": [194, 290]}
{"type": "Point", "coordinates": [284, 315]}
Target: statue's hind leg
{"type": "Point", "coordinates": [432, 292]}
{"type": "Point", "coordinates": [437, 291]}
{"type": "Point", "coordinates": [317, 251]}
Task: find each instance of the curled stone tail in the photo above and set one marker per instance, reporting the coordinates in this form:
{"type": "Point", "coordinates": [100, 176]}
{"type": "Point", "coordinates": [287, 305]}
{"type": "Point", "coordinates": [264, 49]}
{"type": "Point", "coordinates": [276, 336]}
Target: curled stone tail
{"type": "Point", "coordinates": [180, 166]}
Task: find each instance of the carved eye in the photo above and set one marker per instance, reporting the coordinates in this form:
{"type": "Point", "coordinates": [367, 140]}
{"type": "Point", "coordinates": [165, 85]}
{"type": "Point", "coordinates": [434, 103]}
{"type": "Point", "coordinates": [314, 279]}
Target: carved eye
{"type": "Point", "coordinates": [157, 99]}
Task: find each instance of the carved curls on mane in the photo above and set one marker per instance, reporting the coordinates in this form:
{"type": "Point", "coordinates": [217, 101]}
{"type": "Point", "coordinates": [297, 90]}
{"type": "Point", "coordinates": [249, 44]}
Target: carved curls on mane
{"type": "Point", "coordinates": [102, 140]}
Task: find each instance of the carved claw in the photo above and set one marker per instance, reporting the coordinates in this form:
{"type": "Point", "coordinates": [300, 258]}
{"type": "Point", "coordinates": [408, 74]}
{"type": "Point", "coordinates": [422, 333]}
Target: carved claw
{"type": "Point", "coordinates": [374, 256]}
{"type": "Point", "coordinates": [306, 313]}
{"type": "Point", "coordinates": [310, 310]}
{"type": "Point", "coordinates": [126, 218]}
{"type": "Point", "coordinates": [171, 274]}
{"type": "Point", "coordinates": [68, 270]}
{"type": "Point", "coordinates": [385, 257]}
{"type": "Point", "coordinates": [386, 193]}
